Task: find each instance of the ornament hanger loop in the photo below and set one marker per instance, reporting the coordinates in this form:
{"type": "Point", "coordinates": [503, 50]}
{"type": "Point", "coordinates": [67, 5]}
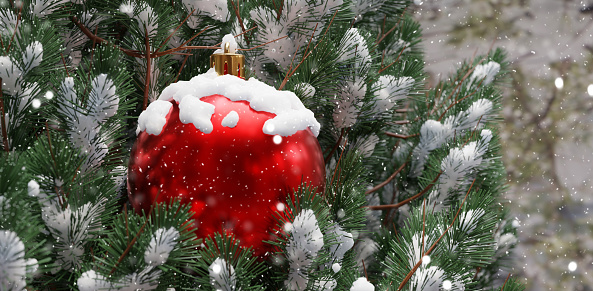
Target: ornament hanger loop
{"type": "Point", "coordinates": [227, 47]}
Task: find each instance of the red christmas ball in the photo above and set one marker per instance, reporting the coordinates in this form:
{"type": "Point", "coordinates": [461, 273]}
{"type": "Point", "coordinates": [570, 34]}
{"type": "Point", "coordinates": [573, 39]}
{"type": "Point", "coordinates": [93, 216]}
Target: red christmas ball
{"type": "Point", "coordinates": [232, 173]}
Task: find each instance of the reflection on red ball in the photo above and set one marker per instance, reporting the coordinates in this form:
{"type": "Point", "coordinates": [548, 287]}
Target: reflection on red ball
{"type": "Point", "coordinates": [234, 177]}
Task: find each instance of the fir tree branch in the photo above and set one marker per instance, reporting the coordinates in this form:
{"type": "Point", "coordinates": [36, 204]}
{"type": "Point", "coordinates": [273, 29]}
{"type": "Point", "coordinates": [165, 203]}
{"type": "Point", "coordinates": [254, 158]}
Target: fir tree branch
{"type": "Point", "coordinates": [181, 68]}
{"type": "Point", "coordinates": [392, 63]}
{"type": "Point", "coordinates": [100, 40]}
{"type": "Point", "coordinates": [400, 135]}
{"type": "Point", "coordinates": [505, 282]}
{"type": "Point", "coordinates": [461, 99]}
{"type": "Point", "coordinates": [290, 73]}
{"type": "Point", "coordinates": [382, 184]}
{"type": "Point", "coordinates": [263, 44]}
{"type": "Point", "coordinates": [308, 54]}
{"type": "Point", "coordinates": [129, 247]}
{"type": "Point", "coordinates": [236, 10]}
{"type": "Point", "coordinates": [147, 82]}
{"type": "Point", "coordinates": [175, 30]}
{"type": "Point", "coordinates": [335, 146]}
{"type": "Point", "coordinates": [3, 121]}
{"type": "Point", "coordinates": [64, 63]}
{"type": "Point", "coordinates": [411, 273]}
{"type": "Point", "coordinates": [398, 205]}
{"type": "Point", "coordinates": [18, 20]}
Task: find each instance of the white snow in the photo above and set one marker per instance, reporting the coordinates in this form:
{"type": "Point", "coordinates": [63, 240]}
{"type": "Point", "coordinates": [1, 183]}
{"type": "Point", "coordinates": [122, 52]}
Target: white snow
{"type": "Point", "coordinates": [336, 267]}
{"type": "Point", "coordinates": [362, 284]}
{"type": "Point", "coordinates": [153, 119]}
{"type": "Point", "coordinates": [33, 188]}
{"type": "Point", "coordinates": [291, 114]}
{"type": "Point", "coordinates": [391, 90]}
{"type": "Point", "coordinates": [161, 244]}
{"type": "Point", "coordinates": [232, 44]}
{"type": "Point", "coordinates": [13, 266]}
{"type": "Point", "coordinates": [487, 72]}
{"type": "Point", "coordinates": [103, 100]}
{"type": "Point", "coordinates": [32, 56]}
{"type": "Point", "coordinates": [216, 9]}
{"type": "Point", "coordinates": [195, 111]}
{"type": "Point", "coordinates": [222, 277]}
{"type": "Point", "coordinates": [344, 242]}
{"type": "Point", "coordinates": [230, 120]}
{"type": "Point", "coordinates": [305, 242]}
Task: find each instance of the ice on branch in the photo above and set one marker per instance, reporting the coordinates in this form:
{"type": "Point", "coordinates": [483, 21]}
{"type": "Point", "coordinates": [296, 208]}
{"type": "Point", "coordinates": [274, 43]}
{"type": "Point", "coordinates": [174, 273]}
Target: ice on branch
{"type": "Point", "coordinates": [485, 72]}
{"type": "Point", "coordinates": [366, 145]}
{"type": "Point", "coordinates": [458, 168]}
{"type": "Point", "coordinates": [390, 91]}
{"type": "Point", "coordinates": [13, 266]}
{"type": "Point", "coordinates": [362, 284]}
{"type": "Point", "coordinates": [305, 241]}
{"type": "Point", "coordinates": [222, 275]}
{"type": "Point", "coordinates": [161, 244]}
{"type": "Point", "coordinates": [434, 134]}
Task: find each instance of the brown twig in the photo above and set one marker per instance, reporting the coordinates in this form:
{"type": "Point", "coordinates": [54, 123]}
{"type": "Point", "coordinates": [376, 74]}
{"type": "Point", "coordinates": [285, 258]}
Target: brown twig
{"type": "Point", "coordinates": [175, 30]}
{"type": "Point", "coordinates": [382, 184]}
{"type": "Point", "coordinates": [100, 40]}
{"type": "Point", "coordinates": [392, 134]}
{"type": "Point", "coordinates": [180, 69]}
{"type": "Point", "coordinates": [397, 59]}
{"type": "Point", "coordinates": [398, 205]}
{"type": "Point", "coordinates": [18, 20]}
{"type": "Point", "coordinates": [3, 121]}
{"type": "Point", "coordinates": [130, 244]}
{"type": "Point", "coordinates": [336, 145]}
{"type": "Point", "coordinates": [338, 163]}
{"type": "Point", "coordinates": [61, 200]}
{"type": "Point", "coordinates": [409, 276]}
{"type": "Point", "coordinates": [289, 72]}
{"type": "Point", "coordinates": [147, 83]}
{"type": "Point", "coordinates": [263, 44]}
{"type": "Point", "coordinates": [505, 282]}
{"type": "Point", "coordinates": [309, 53]}
{"type": "Point", "coordinates": [236, 9]}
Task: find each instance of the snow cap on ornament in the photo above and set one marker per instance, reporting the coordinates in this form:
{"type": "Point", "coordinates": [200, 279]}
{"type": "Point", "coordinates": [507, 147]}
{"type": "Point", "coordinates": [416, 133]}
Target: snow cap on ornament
{"type": "Point", "coordinates": [291, 114]}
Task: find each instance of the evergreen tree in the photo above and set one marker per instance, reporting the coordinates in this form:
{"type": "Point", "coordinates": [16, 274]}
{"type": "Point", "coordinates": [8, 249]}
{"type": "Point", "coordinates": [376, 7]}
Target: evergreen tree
{"type": "Point", "coordinates": [413, 174]}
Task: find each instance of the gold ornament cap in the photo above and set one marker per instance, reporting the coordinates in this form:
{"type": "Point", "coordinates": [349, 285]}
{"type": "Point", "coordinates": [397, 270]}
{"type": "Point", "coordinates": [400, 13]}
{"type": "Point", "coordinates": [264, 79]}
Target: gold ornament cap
{"type": "Point", "coordinates": [228, 63]}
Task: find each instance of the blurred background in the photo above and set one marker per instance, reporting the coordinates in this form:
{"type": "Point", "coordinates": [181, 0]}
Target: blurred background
{"type": "Point", "coordinates": [547, 126]}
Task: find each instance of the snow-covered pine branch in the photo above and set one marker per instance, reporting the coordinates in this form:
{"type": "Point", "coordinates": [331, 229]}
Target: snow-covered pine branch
{"type": "Point", "coordinates": [434, 134]}
{"type": "Point", "coordinates": [390, 90]}
{"type": "Point", "coordinates": [305, 241]}
{"type": "Point", "coordinates": [484, 73]}
{"type": "Point", "coordinates": [83, 124]}
{"type": "Point", "coordinates": [72, 228]}
{"type": "Point", "coordinates": [222, 275]}
{"type": "Point", "coordinates": [458, 168]}
{"type": "Point", "coordinates": [14, 268]}
{"type": "Point", "coordinates": [162, 242]}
